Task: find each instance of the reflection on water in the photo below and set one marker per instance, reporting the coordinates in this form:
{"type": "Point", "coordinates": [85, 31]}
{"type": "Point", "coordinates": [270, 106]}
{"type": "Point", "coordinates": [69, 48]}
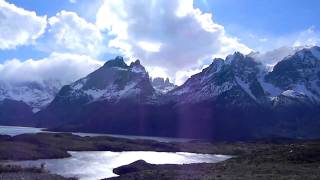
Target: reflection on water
{"type": "Point", "coordinates": [97, 165]}
{"type": "Point", "coordinates": [15, 130]}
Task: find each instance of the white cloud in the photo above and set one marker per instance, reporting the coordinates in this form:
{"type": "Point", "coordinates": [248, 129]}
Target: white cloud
{"type": "Point", "coordinates": [263, 40]}
{"type": "Point", "coordinates": [63, 67]}
{"type": "Point", "coordinates": [171, 35]}
{"type": "Point", "coordinates": [149, 46]}
{"type": "Point", "coordinates": [73, 1]}
{"type": "Point", "coordinates": [19, 26]}
{"type": "Point", "coordinates": [276, 48]}
{"type": "Point", "coordinates": [67, 32]}
{"type": "Point", "coordinates": [304, 37]}
{"type": "Point", "coordinates": [270, 58]}
{"type": "Point", "coordinates": [309, 37]}
{"type": "Point", "coordinates": [157, 72]}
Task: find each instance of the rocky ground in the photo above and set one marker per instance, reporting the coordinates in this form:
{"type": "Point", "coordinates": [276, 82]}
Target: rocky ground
{"type": "Point", "coordinates": [267, 159]}
{"type": "Point", "coordinates": [57, 145]}
{"type": "Point", "coordinates": [13, 172]}
{"type": "Point", "coordinates": [278, 161]}
{"type": "Point", "coordinates": [52, 146]}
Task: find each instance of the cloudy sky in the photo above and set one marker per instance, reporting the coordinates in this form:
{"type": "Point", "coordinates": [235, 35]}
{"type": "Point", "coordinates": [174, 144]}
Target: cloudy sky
{"type": "Point", "coordinates": [67, 39]}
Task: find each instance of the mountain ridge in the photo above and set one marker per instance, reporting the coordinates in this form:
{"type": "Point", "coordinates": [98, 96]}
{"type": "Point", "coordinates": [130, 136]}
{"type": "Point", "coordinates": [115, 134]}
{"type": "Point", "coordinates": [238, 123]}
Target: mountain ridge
{"type": "Point", "coordinates": [238, 95]}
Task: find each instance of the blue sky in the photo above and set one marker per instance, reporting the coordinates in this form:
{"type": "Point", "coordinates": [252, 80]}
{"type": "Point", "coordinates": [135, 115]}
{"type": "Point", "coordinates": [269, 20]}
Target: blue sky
{"type": "Point", "coordinates": [263, 18]}
{"type": "Point", "coordinates": [277, 17]}
{"type": "Point", "coordinates": [161, 38]}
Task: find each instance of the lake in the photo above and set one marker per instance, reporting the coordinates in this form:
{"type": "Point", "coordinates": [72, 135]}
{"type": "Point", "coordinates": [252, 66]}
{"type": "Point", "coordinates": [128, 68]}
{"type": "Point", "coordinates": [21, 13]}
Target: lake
{"type": "Point", "coordinates": [94, 165]}
{"type": "Point", "coordinates": [16, 130]}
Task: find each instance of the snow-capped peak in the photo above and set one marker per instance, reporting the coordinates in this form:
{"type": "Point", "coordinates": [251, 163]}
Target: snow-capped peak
{"type": "Point", "coordinates": [137, 67]}
{"type": "Point", "coordinates": [162, 85]}
{"type": "Point", "coordinates": [234, 57]}
{"type": "Point", "coordinates": [112, 82]}
{"type": "Point", "coordinates": [215, 66]}
{"type": "Point", "coordinates": [117, 62]}
{"type": "Point", "coordinates": [315, 51]}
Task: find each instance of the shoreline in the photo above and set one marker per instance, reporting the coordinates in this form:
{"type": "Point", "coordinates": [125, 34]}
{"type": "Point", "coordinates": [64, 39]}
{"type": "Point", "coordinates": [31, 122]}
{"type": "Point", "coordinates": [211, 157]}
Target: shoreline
{"type": "Point", "coordinates": [285, 162]}
{"type": "Point", "coordinates": [56, 145]}
{"type": "Point", "coordinates": [93, 134]}
{"type": "Point", "coordinates": [264, 158]}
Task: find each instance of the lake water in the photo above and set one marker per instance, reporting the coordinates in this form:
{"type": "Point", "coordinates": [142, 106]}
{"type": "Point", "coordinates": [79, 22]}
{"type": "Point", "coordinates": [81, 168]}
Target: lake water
{"type": "Point", "coordinates": [94, 165]}
{"type": "Point", "coordinates": [15, 130]}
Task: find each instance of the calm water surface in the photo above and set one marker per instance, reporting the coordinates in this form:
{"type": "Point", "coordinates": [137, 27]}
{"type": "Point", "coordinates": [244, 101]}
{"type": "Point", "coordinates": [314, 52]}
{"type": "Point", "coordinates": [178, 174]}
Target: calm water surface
{"type": "Point", "coordinates": [94, 165]}
{"type": "Point", "coordinates": [15, 130]}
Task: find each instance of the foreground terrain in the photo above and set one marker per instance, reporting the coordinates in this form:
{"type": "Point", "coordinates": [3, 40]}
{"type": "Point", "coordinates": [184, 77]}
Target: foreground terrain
{"type": "Point", "coordinates": [57, 145]}
{"type": "Point", "coordinates": [281, 161]}
{"type": "Point", "coordinates": [263, 159]}
{"type": "Point", "coordinates": [13, 172]}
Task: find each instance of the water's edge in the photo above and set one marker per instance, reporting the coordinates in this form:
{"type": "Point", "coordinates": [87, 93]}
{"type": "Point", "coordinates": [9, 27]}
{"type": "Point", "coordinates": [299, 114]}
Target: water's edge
{"type": "Point", "coordinates": [90, 165]}
{"type": "Point", "coordinates": [18, 130]}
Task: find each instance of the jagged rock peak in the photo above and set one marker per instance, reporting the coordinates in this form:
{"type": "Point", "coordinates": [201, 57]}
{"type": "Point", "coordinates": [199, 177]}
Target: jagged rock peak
{"type": "Point", "coordinates": [309, 52]}
{"type": "Point", "coordinates": [167, 81]}
{"type": "Point", "coordinates": [234, 57]}
{"type": "Point", "coordinates": [305, 52]}
{"type": "Point", "coordinates": [116, 62]}
{"type": "Point", "coordinates": [215, 66]}
{"type": "Point", "coordinates": [119, 58]}
{"type": "Point", "coordinates": [137, 67]}
{"type": "Point", "coordinates": [159, 80]}
{"type": "Point", "coordinates": [137, 62]}
{"type": "Point", "coordinates": [162, 85]}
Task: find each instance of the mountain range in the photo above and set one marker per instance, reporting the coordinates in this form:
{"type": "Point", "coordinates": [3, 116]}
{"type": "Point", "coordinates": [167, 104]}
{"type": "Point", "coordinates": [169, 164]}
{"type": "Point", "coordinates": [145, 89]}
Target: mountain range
{"type": "Point", "coordinates": [234, 98]}
{"type": "Point", "coordinates": [37, 95]}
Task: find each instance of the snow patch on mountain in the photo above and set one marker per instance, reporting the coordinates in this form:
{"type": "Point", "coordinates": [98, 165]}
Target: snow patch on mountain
{"type": "Point", "coordinates": [292, 93]}
{"type": "Point", "coordinates": [245, 86]}
{"type": "Point", "coordinates": [113, 93]}
{"type": "Point", "coordinates": [95, 93]}
{"type": "Point", "coordinates": [113, 82]}
{"type": "Point", "coordinates": [270, 88]}
{"type": "Point", "coordinates": [299, 88]}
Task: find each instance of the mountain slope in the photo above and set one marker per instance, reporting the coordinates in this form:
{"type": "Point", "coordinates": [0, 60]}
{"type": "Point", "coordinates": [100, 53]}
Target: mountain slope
{"type": "Point", "coordinates": [235, 98]}
{"type": "Point", "coordinates": [114, 83]}
{"type": "Point", "coordinates": [230, 81]}
{"type": "Point", "coordinates": [15, 113]}
{"type": "Point", "coordinates": [299, 75]}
